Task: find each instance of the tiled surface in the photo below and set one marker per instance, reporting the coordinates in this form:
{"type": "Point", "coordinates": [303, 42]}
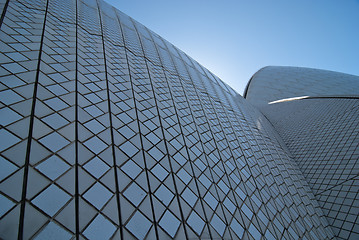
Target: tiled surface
{"type": "Point", "coordinates": [275, 83]}
{"type": "Point", "coordinates": [323, 136]}
{"type": "Point", "coordinates": [109, 131]}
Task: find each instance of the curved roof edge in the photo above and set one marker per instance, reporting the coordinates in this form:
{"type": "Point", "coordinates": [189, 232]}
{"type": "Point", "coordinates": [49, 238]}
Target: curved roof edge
{"type": "Point", "coordinates": [250, 80]}
{"type": "Point", "coordinates": [245, 92]}
{"type": "Point", "coordinates": [272, 83]}
{"type": "Point", "coordinates": [315, 97]}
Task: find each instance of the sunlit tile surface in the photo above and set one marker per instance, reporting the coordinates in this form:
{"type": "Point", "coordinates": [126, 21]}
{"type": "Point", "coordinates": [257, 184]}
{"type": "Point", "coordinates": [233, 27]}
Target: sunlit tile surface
{"type": "Point", "coordinates": [109, 131]}
{"type": "Point", "coordinates": [323, 136]}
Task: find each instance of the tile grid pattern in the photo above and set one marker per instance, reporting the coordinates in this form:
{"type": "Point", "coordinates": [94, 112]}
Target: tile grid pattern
{"type": "Point", "coordinates": [323, 136]}
{"type": "Point", "coordinates": [178, 156]}
{"type": "Point", "coordinates": [267, 84]}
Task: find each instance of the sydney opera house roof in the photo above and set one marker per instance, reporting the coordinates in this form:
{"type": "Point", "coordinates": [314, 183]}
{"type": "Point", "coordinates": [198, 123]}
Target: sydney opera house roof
{"type": "Point", "coordinates": [275, 83]}
{"type": "Point", "coordinates": [108, 131]}
{"type": "Point", "coordinates": [316, 114]}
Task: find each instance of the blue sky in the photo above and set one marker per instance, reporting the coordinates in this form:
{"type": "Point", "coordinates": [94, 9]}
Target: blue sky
{"type": "Point", "coordinates": [235, 38]}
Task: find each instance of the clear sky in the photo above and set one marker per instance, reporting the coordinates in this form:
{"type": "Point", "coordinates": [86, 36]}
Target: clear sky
{"type": "Point", "coordinates": [235, 38]}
